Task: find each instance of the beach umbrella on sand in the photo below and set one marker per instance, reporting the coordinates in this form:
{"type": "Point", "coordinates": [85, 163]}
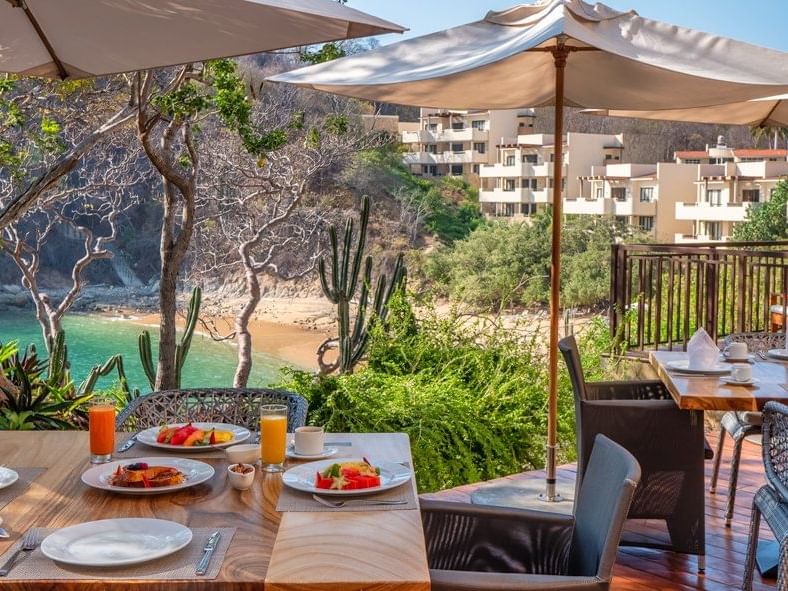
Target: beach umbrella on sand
{"type": "Point", "coordinates": [770, 111]}
{"type": "Point", "coordinates": [84, 38]}
{"type": "Point", "coordinates": [559, 53]}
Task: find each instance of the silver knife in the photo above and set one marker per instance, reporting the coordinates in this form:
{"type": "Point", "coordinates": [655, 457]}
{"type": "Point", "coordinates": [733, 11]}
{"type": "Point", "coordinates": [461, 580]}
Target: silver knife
{"type": "Point", "coordinates": [207, 553]}
{"type": "Point", "coordinates": [128, 444]}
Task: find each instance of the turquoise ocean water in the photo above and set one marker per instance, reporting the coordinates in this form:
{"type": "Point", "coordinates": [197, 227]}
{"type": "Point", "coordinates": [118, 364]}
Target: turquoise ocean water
{"type": "Point", "coordinates": [93, 339]}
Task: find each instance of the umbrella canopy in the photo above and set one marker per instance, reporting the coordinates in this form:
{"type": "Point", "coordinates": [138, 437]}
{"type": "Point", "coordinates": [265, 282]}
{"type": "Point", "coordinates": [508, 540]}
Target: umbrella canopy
{"type": "Point", "coordinates": [82, 38]}
{"type": "Point", "coordinates": [557, 52]}
{"type": "Point", "coordinates": [764, 112]}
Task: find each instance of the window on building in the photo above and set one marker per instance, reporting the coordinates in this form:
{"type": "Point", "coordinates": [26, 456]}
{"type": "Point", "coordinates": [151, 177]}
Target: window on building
{"type": "Point", "coordinates": [507, 210]}
{"type": "Point", "coordinates": [612, 157]}
{"type": "Point", "coordinates": [431, 127]}
{"type": "Point", "coordinates": [433, 170]}
{"type": "Point", "coordinates": [714, 230]}
{"type": "Point", "coordinates": [509, 184]}
{"type": "Point", "coordinates": [456, 169]}
{"type": "Point", "coordinates": [646, 223]}
{"type": "Point", "coordinates": [479, 124]}
{"type": "Point", "coordinates": [552, 157]}
{"type": "Point", "coordinates": [750, 195]}
{"type": "Point", "coordinates": [457, 125]}
{"type": "Point", "coordinates": [431, 148]}
{"type": "Point", "coordinates": [510, 160]}
{"type": "Point", "coordinates": [646, 194]}
{"type": "Point", "coordinates": [691, 161]}
{"type": "Point", "coordinates": [618, 193]}
{"type": "Point", "coordinates": [475, 169]}
{"type": "Point", "coordinates": [600, 192]}
{"type": "Point", "coordinates": [550, 183]}
{"type": "Point", "coordinates": [530, 159]}
{"type": "Point", "coordinates": [480, 147]}
{"type": "Point", "coordinates": [563, 183]}
{"type": "Point", "coordinates": [457, 148]}
{"type": "Point", "coordinates": [714, 197]}
{"type": "Point", "coordinates": [529, 183]}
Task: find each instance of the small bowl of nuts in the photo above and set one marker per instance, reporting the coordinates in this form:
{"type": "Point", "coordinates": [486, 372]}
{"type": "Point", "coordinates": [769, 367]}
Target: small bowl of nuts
{"type": "Point", "coordinates": [241, 476]}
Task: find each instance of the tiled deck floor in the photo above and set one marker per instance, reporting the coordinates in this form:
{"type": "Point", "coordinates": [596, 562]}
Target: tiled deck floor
{"type": "Point", "coordinates": [640, 569]}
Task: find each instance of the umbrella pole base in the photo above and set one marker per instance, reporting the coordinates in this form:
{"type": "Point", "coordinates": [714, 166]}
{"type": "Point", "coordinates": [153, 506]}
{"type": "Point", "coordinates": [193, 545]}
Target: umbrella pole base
{"type": "Point", "coordinates": [550, 495]}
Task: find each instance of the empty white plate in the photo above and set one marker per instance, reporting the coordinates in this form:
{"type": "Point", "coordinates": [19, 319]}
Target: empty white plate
{"type": "Point", "coordinates": [779, 354]}
{"type": "Point", "coordinates": [116, 542]}
{"type": "Point", "coordinates": [303, 477]}
{"type": "Point", "coordinates": [682, 366]}
{"type": "Point", "coordinates": [240, 434]}
{"type": "Point", "coordinates": [7, 477]}
{"type": "Point", "coordinates": [196, 473]}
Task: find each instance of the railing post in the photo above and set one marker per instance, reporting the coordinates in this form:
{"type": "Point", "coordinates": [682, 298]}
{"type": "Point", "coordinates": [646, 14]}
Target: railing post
{"type": "Point", "coordinates": [711, 294]}
{"type": "Point", "coordinates": [615, 291]}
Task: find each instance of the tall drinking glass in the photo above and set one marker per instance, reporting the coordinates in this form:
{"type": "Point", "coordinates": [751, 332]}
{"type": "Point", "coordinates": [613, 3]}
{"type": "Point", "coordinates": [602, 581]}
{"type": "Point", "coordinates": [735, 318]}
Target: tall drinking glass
{"type": "Point", "coordinates": [101, 423]}
{"type": "Point", "coordinates": [273, 436]}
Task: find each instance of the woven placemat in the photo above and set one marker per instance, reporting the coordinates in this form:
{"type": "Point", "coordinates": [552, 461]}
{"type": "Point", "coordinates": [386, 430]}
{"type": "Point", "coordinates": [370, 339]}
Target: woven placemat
{"type": "Point", "coordinates": [26, 477]}
{"type": "Point", "coordinates": [296, 500]}
{"type": "Point", "coordinates": [178, 566]}
{"type": "Point", "coordinates": [140, 450]}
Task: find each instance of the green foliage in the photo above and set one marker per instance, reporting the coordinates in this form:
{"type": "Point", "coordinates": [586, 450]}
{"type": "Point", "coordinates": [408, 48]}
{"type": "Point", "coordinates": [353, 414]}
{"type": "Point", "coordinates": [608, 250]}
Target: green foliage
{"type": "Point", "coordinates": [766, 221]}
{"type": "Point", "coordinates": [181, 349]}
{"type": "Point", "coordinates": [504, 263]}
{"type": "Point", "coordinates": [472, 395]}
{"type": "Point", "coordinates": [341, 289]}
{"type": "Point", "coordinates": [327, 52]}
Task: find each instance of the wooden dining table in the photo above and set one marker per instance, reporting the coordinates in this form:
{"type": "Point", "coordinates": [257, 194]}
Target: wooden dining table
{"type": "Point", "coordinates": [703, 392]}
{"type": "Point", "coordinates": [291, 551]}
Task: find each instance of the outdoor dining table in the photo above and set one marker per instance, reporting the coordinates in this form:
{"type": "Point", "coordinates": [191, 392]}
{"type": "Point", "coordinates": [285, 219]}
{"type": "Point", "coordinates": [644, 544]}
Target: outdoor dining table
{"type": "Point", "coordinates": [304, 551]}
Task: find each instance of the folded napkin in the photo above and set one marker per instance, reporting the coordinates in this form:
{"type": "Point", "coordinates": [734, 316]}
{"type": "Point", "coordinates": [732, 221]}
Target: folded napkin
{"type": "Point", "coordinates": [703, 353]}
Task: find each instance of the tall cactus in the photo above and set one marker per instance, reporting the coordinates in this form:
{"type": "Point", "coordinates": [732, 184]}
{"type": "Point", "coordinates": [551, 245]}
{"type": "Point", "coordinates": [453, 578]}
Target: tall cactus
{"type": "Point", "coordinates": [181, 349]}
{"type": "Point", "coordinates": [346, 267]}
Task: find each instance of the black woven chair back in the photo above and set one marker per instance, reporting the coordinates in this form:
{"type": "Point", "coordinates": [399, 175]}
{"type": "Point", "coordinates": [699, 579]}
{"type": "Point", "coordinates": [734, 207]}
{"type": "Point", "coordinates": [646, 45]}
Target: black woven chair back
{"type": "Point", "coordinates": [218, 405]}
{"type": "Point", "coordinates": [757, 341]}
{"type": "Point", "coordinates": [601, 508]}
{"type": "Point", "coordinates": [775, 446]}
{"type": "Point", "coordinates": [568, 348]}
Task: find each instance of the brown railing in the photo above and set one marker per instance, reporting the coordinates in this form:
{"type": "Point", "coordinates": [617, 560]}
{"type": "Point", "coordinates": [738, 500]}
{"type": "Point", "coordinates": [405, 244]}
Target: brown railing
{"type": "Point", "coordinates": [662, 293]}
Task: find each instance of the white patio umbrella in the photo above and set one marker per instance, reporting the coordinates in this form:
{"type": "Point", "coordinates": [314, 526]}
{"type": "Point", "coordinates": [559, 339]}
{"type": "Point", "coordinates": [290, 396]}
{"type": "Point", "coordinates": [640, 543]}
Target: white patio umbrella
{"type": "Point", "coordinates": [770, 111]}
{"type": "Point", "coordinates": [557, 52]}
{"type": "Point", "coordinates": [83, 38]}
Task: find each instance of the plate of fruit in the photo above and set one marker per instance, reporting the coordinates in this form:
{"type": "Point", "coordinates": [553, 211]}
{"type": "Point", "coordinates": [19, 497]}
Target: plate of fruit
{"type": "Point", "coordinates": [193, 437]}
{"type": "Point", "coordinates": [152, 475]}
{"type": "Point", "coordinates": [354, 476]}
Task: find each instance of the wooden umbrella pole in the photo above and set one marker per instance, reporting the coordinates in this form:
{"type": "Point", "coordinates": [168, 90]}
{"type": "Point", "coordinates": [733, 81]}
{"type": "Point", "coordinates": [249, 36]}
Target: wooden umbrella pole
{"type": "Point", "coordinates": [560, 54]}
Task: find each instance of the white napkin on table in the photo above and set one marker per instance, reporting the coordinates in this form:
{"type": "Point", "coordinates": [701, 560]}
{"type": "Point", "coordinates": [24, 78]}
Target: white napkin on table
{"type": "Point", "coordinates": [703, 353]}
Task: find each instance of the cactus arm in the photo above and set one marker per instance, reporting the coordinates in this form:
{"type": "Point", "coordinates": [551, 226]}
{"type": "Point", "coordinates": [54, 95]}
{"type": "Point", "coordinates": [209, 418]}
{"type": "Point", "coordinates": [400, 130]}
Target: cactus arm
{"type": "Point", "coordinates": [146, 358]}
{"type": "Point", "coordinates": [321, 272]}
{"type": "Point", "coordinates": [332, 235]}
{"type": "Point", "coordinates": [363, 301]}
{"type": "Point", "coordinates": [362, 241]}
{"type": "Point", "coordinates": [344, 262]}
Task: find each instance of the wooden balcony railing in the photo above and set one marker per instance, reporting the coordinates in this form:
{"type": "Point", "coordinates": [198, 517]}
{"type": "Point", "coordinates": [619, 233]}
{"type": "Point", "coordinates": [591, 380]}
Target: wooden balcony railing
{"type": "Point", "coordinates": [662, 293]}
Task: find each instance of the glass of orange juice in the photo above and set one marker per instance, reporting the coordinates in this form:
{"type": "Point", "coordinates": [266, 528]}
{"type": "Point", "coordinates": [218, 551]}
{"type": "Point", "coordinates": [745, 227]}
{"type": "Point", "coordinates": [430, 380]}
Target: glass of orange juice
{"type": "Point", "coordinates": [101, 423]}
{"type": "Point", "coordinates": [273, 436]}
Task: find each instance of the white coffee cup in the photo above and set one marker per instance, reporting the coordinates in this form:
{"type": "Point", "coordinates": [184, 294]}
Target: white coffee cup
{"type": "Point", "coordinates": [741, 372]}
{"type": "Point", "coordinates": [736, 351]}
{"type": "Point", "coordinates": [309, 440]}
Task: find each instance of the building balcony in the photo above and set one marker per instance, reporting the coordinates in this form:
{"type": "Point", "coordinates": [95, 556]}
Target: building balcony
{"type": "Point", "coordinates": [689, 238]}
{"type": "Point", "coordinates": [728, 212]}
{"type": "Point", "coordinates": [519, 170]}
{"type": "Point", "coordinates": [464, 157]}
{"type": "Point", "coordinates": [421, 136]}
{"type": "Point", "coordinates": [518, 195]}
{"type": "Point", "coordinates": [582, 206]}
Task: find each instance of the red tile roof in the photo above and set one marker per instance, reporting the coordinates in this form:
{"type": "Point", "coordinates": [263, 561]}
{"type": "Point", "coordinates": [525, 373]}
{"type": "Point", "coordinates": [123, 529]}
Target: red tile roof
{"type": "Point", "coordinates": [760, 153]}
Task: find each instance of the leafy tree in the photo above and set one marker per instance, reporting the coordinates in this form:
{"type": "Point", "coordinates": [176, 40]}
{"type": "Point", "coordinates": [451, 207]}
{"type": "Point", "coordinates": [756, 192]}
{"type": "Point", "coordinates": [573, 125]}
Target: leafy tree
{"type": "Point", "coordinates": [766, 221]}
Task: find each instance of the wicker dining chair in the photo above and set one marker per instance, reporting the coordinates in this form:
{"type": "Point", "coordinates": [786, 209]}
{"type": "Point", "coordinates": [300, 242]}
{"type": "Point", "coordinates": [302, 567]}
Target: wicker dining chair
{"type": "Point", "coordinates": [771, 500]}
{"type": "Point", "coordinates": [667, 442]}
{"type": "Point", "coordinates": [213, 405]}
{"type": "Point", "coordinates": [481, 548]}
{"type": "Point", "coordinates": [740, 424]}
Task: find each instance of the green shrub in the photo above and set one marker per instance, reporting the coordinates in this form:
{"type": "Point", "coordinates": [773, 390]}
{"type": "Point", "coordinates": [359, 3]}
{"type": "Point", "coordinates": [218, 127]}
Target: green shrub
{"type": "Point", "coordinates": [472, 396]}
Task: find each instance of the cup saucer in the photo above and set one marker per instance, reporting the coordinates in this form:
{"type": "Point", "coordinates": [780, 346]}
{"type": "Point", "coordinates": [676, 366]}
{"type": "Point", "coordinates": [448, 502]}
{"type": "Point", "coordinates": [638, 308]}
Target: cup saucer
{"type": "Point", "coordinates": [746, 383]}
{"type": "Point", "coordinates": [748, 359]}
{"type": "Point", "coordinates": [326, 453]}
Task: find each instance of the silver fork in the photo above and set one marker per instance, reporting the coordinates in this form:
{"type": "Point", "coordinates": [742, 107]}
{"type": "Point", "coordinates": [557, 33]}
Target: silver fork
{"type": "Point", "coordinates": [762, 355]}
{"type": "Point", "coordinates": [29, 543]}
{"type": "Point", "coordinates": [354, 502]}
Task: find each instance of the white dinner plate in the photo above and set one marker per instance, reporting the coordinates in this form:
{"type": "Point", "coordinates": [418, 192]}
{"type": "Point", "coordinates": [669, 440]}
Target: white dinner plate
{"type": "Point", "coordinates": [748, 359]}
{"type": "Point", "coordinates": [240, 434]}
{"type": "Point", "coordinates": [326, 453]}
{"type": "Point", "coordinates": [7, 477]}
{"type": "Point", "coordinates": [682, 366]}
{"type": "Point", "coordinates": [779, 354]}
{"type": "Point", "coordinates": [116, 542]}
{"type": "Point", "coordinates": [731, 382]}
{"type": "Point", "coordinates": [303, 477]}
{"type": "Point", "coordinates": [196, 472]}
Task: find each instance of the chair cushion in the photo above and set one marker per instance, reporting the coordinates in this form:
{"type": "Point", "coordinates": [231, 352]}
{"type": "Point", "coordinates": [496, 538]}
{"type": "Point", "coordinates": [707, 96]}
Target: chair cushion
{"type": "Point", "coordinates": [773, 509]}
{"type": "Point", "coordinates": [777, 309]}
{"type": "Point", "coordinates": [750, 417]}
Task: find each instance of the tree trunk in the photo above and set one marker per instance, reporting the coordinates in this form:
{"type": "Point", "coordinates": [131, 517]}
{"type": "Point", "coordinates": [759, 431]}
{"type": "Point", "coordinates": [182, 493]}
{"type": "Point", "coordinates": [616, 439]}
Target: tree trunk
{"type": "Point", "coordinates": [242, 334]}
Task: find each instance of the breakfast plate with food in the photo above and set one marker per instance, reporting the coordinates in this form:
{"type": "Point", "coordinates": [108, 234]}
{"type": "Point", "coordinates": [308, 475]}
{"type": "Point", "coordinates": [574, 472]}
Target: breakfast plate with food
{"type": "Point", "coordinates": [354, 476]}
{"type": "Point", "coordinates": [191, 437]}
{"type": "Point", "coordinates": [153, 475]}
